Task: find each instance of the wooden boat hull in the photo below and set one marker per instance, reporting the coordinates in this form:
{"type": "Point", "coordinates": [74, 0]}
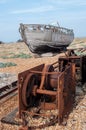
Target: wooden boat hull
{"type": "Point", "coordinates": [46, 38]}
{"type": "Point", "coordinates": [44, 47]}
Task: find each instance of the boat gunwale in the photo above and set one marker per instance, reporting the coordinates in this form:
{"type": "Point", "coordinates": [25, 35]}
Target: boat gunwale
{"type": "Point", "coordinates": [50, 27]}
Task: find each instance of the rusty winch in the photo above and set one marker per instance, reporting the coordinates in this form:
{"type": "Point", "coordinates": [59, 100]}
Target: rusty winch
{"type": "Point", "coordinates": [46, 87]}
{"type": "Point", "coordinates": [80, 65]}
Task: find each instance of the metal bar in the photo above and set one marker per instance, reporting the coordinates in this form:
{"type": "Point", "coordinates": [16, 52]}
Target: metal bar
{"type": "Point", "coordinates": [40, 72]}
{"type": "Point", "coordinates": [43, 77]}
{"type": "Point", "coordinates": [47, 92]}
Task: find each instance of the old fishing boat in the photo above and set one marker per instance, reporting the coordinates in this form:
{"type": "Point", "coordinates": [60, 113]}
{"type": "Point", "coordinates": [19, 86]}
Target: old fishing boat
{"type": "Point", "coordinates": [42, 38]}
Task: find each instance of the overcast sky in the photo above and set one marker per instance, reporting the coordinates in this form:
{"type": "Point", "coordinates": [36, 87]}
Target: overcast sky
{"type": "Point", "coordinates": [69, 13]}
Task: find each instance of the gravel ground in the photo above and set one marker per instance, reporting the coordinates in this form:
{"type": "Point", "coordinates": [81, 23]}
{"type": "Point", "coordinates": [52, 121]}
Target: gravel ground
{"type": "Point", "coordinates": [77, 118]}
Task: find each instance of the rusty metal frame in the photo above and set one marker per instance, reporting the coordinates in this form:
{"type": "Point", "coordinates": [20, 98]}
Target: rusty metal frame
{"type": "Point", "coordinates": [21, 78]}
{"type": "Point", "coordinates": [80, 65]}
{"type": "Point", "coordinates": [62, 81]}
